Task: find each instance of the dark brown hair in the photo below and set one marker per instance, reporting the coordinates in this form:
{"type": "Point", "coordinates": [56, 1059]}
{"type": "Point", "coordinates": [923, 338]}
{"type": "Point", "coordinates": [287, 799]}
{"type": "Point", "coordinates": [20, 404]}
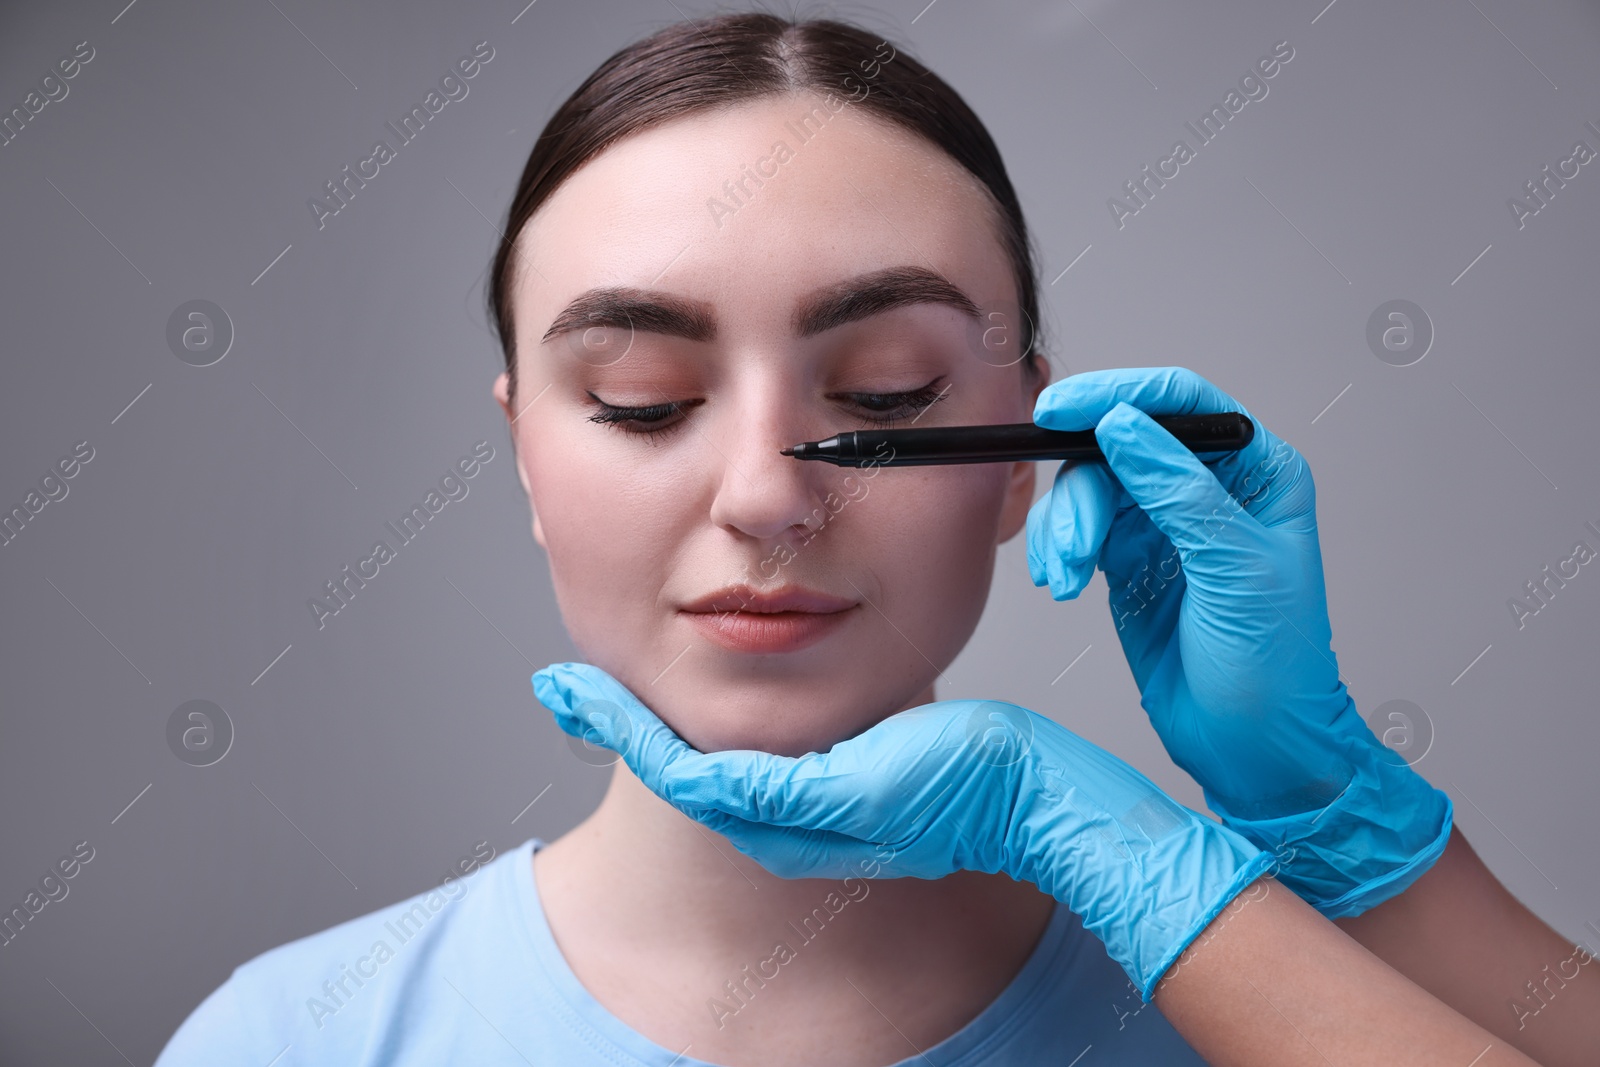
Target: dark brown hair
{"type": "Point", "coordinates": [704, 64]}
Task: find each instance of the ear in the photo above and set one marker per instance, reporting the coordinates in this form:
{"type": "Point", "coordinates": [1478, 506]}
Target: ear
{"type": "Point", "coordinates": [502, 394]}
{"type": "Point", "coordinates": [1019, 492]}
{"type": "Point", "coordinates": [1018, 500]}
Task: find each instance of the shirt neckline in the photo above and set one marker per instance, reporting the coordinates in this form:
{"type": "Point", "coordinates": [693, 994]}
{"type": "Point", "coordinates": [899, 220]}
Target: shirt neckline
{"type": "Point", "coordinates": [595, 1024]}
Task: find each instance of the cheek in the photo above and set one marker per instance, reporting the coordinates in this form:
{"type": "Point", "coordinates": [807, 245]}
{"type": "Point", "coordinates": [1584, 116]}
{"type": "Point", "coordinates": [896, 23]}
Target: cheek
{"type": "Point", "coordinates": [934, 534]}
{"type": "Point", "coordinates": [609, 533]}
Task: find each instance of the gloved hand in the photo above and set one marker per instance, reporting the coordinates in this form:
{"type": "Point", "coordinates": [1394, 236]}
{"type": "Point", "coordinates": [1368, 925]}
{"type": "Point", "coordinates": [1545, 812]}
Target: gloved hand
{"type": "Point", "coordinates": [953, 785]}
{"type": "Point", "coordinates": [1216, 589]}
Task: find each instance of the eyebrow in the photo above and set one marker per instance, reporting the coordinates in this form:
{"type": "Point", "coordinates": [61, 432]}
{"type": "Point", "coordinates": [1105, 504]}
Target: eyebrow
{"type": "Point", "coordinates": [820, 310]}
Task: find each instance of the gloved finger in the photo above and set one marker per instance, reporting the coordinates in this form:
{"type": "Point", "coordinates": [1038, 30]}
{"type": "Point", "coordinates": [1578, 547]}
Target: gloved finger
{"type": "Point", "coordinates": [1144, 589]}
{"type": "Point", "coordinates": [880, 785]}
{"type": "Point", "coordinates": [829, 791]}
{"type": "Point", "coordinates": [1134, 547]}
{"type": "Point", "coordinates": [1067, 525]}
{"type": "Point", "coordinates": [1275, 487]}
{"type": "Point", "coordinates": [759, 786]}
{"type": "Point", "coordinates": [1080, 401]}
{"type": "Point", "coordinates": [795, 852]}
{"type": "Point", "coordinates": [1182, 497]}
{"type": "Point", "coordinates": [590, 704]}
{"type": "Point", "coordinates": [871, 786]}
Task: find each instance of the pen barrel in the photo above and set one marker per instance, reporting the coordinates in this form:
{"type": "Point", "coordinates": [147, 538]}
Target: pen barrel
{"type": "Point", "coordinates": [1224, 432]}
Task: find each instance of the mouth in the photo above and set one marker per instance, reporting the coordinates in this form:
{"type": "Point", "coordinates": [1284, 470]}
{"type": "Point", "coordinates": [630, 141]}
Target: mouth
{"type": "Point", "coordinates": [787, 598]}
{"type": "Point", "coordinates": [779, 620]}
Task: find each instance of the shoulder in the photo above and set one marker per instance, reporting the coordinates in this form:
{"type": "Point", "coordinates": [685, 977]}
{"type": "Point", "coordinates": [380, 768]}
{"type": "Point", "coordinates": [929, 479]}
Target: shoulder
{"type": "Point", "coordinates": [331, 991]}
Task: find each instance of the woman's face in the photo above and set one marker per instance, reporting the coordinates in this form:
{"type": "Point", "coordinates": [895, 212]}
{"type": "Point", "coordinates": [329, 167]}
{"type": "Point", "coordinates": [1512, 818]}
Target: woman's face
{"type": "Point", "coordinates": [751, 319]}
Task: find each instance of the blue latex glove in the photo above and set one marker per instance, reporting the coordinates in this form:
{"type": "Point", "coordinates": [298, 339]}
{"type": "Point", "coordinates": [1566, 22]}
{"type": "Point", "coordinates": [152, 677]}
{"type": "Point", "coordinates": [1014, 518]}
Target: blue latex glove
{"type": "Point", "coordinates": [1216, 589]}
{"type": "Point", "coordinates": [953, 785]}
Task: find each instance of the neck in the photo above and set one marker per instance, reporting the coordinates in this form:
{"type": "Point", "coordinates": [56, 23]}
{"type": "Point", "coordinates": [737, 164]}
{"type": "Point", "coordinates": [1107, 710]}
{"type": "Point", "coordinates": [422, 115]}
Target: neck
{"type": "Point", "coordinates": [641, 882]}
{"type": "Point", "coordinates": [665, 871]}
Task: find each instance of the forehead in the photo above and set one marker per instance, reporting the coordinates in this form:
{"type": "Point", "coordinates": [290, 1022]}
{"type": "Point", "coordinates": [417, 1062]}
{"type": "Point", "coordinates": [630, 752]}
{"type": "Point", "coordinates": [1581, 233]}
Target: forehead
{"type": "Point", "coordinates": [749, 205]}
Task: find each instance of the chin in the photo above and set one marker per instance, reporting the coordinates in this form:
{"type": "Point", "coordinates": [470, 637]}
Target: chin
{"type": "Point", "coordinates": [787, 705]}
{"type": "Point", "coordinates": [783, 727]}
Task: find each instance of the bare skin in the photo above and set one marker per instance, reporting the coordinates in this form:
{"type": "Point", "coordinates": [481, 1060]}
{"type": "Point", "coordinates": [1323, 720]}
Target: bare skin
{"type": "Point", "coordinates": [1243, 998]}
{"type": "Point", "coordinates": [1420, 934]}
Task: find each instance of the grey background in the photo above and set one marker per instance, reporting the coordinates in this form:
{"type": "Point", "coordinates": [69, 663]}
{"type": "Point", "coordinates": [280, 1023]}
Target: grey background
{"type": "Point", "coordinates": [374, 753]}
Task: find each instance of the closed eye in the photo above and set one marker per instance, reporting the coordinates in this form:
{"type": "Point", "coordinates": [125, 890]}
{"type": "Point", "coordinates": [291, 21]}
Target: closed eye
{"type": "Point", "coordinates": [891, 407]}
{"type": "Point", "coordinates": [881, 409]}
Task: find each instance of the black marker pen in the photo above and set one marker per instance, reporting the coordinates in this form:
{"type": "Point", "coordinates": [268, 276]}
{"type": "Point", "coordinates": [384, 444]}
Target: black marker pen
{"type": "Point", "coordinates": [1228, 431]}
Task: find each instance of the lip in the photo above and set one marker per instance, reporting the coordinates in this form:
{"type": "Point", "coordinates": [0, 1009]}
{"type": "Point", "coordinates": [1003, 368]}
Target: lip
{"type": "Point", "coordinates": [756, 631]}
{"type": "Point", "coordinates": [788, 598]}
{"type": "Point", "coordinates": [779, 620]}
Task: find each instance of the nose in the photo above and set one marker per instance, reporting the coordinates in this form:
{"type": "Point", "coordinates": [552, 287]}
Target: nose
{"type": "Point", "coordinates": [760, 493]}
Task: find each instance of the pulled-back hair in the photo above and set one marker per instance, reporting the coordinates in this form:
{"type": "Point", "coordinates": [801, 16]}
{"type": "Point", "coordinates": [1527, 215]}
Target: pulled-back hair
{"type": "Point", "coordinates": [702, 64]}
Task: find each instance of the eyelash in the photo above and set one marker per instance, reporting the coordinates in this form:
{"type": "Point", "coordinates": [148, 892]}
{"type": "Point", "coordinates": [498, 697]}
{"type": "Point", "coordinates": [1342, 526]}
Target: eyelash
{"type": "Point", "coordinates": [901, 405]}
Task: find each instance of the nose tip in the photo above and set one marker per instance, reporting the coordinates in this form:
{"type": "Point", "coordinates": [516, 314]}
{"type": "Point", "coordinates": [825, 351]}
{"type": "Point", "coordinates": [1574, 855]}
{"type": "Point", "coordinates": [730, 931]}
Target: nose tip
{"type": "Point", "coordinates": [768, 490]}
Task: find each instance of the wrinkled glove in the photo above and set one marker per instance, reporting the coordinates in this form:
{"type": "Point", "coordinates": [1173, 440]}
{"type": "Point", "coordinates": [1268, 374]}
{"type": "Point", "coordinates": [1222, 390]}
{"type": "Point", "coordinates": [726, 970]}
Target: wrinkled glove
{"type": "Point", "coordinates": [1216, 590]}
{"type": "Point", "coordinates": [953, 785]}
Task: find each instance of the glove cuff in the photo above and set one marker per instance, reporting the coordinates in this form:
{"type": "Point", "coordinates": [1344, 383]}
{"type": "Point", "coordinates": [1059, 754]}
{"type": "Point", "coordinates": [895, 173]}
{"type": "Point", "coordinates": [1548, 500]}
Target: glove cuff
{"type": "Point", "coordinates": [1146, 874]}
{"type": "Point", "coordinates": [1370, 843]}
{"type": "Point", "coordinates": [1246, 872]}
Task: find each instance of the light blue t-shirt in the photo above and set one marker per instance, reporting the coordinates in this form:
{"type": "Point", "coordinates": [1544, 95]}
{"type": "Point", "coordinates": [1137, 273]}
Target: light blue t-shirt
{"type": "Point", "coordinates": [473, 975]}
